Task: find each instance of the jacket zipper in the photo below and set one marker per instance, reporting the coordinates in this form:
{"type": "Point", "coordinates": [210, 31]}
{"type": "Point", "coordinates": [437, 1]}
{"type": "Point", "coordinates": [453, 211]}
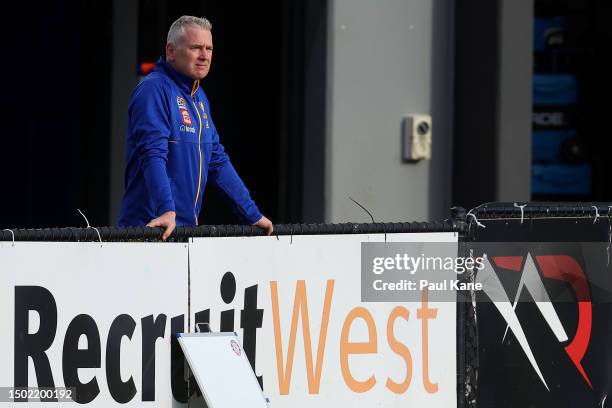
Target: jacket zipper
{"type": "Point", "coordinates": [195, 204]}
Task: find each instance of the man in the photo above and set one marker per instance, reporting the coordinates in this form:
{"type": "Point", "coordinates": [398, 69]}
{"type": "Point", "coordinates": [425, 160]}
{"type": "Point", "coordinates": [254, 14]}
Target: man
{"type": "Point", "coordinates": [173, 146]}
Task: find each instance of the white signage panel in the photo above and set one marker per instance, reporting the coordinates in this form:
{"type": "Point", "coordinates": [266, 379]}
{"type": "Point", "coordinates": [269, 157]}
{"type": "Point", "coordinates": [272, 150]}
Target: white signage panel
{"type": "Point", "coordinates": [92, 316]}
{"type": "Point", "coordinates": [296, 303]}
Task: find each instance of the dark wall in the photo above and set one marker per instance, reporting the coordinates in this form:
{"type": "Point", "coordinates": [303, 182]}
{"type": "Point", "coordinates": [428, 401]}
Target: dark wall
{"type": "Point", "coordinates": [55, 107]}
{"type": "Point", "coordinates": [587, 54]}
{"type": "Point", "coordinates": [594, 68]}
{"type": "Point", "coordinates": [476, 102]}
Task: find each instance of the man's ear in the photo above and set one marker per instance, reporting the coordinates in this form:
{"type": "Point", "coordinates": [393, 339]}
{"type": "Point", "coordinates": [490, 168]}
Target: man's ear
{"type": "Point", "coordinates": [170, 50]}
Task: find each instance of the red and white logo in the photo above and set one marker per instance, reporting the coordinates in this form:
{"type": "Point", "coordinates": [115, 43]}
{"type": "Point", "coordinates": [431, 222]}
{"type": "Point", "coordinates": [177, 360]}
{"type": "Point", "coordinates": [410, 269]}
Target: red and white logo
{"type": "Point", "coordinates": [236, 347]}
{"type": "Point", "coordinates": [186, 117]}
{"type": "Point", "coordinates": [559, 267]}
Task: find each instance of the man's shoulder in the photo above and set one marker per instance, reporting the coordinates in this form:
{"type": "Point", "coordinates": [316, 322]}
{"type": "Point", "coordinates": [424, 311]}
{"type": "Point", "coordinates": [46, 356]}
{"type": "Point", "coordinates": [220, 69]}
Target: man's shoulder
{"type": "Point", "coordinates": [155, 80]}
{"type": "Point", "coordinates": [152, 85]}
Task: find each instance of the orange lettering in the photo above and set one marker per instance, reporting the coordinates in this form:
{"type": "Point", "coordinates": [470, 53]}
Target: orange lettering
{"type": "Point", "coordinates": [347, 348]}
{"type": "Point", "coordinates": [300, 307]}
{"type": "Point", "coordinates": [425, 313]}
{"type": "Point", "coordinates": [399, 348]}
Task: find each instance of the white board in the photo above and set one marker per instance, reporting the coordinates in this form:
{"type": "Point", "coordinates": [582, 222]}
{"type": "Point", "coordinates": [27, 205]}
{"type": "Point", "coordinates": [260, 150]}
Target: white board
{"type": "Point", "coordinates": [119, 288]}
{"type": "Point", "coordinates": [222, 370]}
{"type": "Point", "coordinates": [296, 303]}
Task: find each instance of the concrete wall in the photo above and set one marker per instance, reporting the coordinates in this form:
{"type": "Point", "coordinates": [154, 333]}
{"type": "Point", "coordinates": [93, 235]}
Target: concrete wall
{"type": "Point", "coordinates": [386, 59]}
{"type": "Point", "coordinates": [515, 102]}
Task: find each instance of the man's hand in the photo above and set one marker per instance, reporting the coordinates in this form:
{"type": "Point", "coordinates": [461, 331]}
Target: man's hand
{"type": "Point", "coordinates": [168, 221]}
{"type": "Point", "coordinates": [265, 224]}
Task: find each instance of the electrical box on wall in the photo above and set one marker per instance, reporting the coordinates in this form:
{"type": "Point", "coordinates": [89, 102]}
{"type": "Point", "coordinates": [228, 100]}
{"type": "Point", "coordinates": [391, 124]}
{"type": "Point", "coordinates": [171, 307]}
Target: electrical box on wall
{"type": "Point", "coordinates": [416, 137]}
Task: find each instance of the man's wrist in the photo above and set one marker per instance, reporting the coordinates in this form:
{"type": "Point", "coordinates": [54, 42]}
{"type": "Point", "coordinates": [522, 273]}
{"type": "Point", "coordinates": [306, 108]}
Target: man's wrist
{"type": "Point", "coordinates": [252, 219]}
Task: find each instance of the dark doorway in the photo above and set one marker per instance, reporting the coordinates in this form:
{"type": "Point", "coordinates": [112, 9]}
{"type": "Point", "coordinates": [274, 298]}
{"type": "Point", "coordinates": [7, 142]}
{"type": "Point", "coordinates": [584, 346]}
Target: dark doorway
{"type": "Point", "coordinates": [55, 108]}
{"type": "Point", "coordinates": [573, 47]}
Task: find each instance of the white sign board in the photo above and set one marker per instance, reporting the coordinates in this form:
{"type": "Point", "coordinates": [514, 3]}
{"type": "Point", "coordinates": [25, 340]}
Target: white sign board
{"type": "Point", "coordinates": [296, 303]}
{"type": "Point", "coordinates": [92, 316]}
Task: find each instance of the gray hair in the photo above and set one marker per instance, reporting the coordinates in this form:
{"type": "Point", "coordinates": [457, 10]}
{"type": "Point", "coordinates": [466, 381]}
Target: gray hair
{"type": "Point", "coordinates": [177, 29]}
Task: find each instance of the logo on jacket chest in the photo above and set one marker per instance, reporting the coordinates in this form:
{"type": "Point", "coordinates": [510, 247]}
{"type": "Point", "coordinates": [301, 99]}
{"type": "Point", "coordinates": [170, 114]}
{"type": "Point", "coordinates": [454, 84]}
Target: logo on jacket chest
{"type": "Point", "coordinates": [182, 105]}
{"type": "Point", "coordinates": [204, 115]}
{"type": "Point", "coordinates": [188, 129]}
{"type": "Point", "coordinates": [181, 102]}
{"type": "Point", "coordinates": [186, 118]}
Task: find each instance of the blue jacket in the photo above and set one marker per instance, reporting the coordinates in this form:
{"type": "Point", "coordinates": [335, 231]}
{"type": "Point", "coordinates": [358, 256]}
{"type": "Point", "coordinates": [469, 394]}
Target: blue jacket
{"type": "Point", "coordinates": [172, 150]}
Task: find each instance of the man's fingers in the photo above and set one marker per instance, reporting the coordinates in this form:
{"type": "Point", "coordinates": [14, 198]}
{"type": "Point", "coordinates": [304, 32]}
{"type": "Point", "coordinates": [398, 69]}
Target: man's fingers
{"type": "Point", "coordinates": [166, 221]}
{"type": "Point", "coordinates": [154, 223]}
{"type": "Point", "coordinates": [168, 232]}
{"type": "Point", "coordinates": [265, 224]}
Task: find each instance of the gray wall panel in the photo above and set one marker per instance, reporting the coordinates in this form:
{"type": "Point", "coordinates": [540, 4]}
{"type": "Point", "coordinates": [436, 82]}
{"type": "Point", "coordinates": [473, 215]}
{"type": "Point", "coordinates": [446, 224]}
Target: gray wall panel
{"type": "Point", "coordinates": [387, 59]}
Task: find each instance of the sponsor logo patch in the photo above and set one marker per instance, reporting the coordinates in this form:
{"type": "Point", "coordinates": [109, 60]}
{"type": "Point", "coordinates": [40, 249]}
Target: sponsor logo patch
{"type": "Point", "coordinates": [188, 129]}
{"type": "Point", "coordinates": [204, 115]}
{"type": "Point", "coordinates": [186, 117]}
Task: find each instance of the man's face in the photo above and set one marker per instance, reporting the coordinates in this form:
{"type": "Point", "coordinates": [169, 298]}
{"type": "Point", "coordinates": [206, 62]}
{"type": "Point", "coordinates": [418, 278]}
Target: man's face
{"type": "Point", "coordinates": [192, 55]}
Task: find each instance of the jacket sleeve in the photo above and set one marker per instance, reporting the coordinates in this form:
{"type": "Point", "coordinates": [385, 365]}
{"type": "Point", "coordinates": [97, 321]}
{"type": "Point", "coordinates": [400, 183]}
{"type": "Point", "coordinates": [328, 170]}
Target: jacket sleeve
{"type": "Point", "coordinates": [149, 121]}
{"type": "Point", "coordinates": [223, 175]}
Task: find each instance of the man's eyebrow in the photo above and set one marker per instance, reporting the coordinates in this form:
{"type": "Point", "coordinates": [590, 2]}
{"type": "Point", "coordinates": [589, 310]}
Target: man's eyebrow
{"type": "Point", "coordinates": [199, 45]}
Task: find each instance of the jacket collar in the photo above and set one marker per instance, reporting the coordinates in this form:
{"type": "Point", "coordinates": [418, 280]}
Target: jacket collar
{"type": "Point", "coordinates": [184, 82]}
